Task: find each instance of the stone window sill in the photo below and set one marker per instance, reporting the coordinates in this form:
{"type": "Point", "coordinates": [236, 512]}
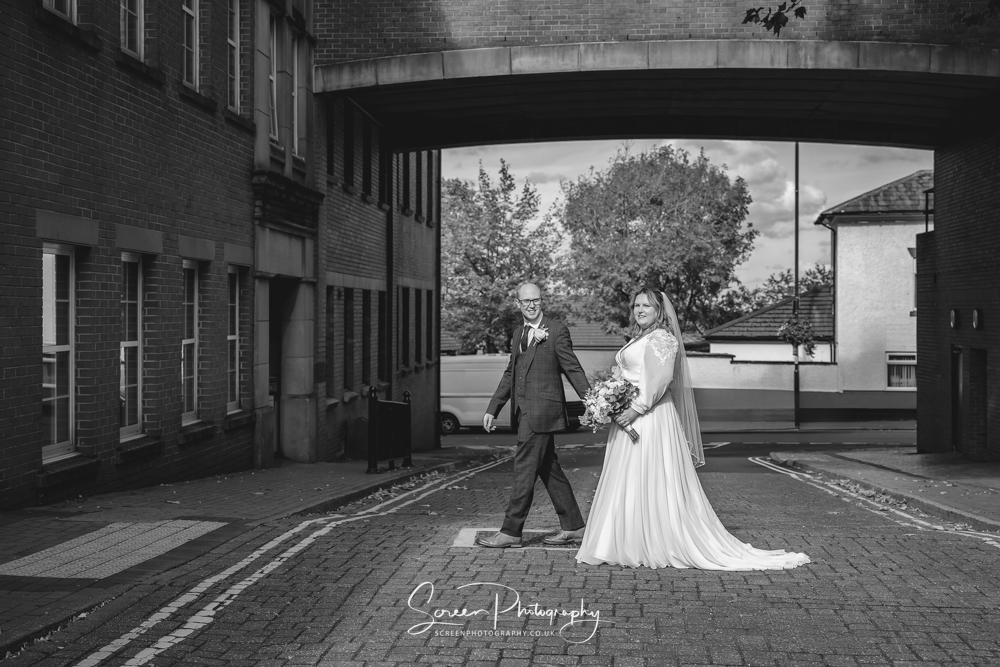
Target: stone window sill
{"type": "Point", "coordinates": [195, 431]}
{"type": "Point", "coordinates": [349, 188]}
{"type": "Point", "coordinates": [130, 62]}
{"type": "Point", "coordinates": [85, 36]}
{"type": "Point", "coordinates": [244, 122]}
{"type": "Point", "coordinates": [420, 218]}
{"type": "Point", "coordinates": [405, 370]}
{"type": "Point", "coordinates": [332, 402]}
{"type": "Point", "coordinates": [407, 211]}
{"type": "Point", "coordinates": [238, 419]}
{"type": "Point", "coordinates": [367, 198]}
{"type": "Point", "coordinates": [350, 396]}
{"type": "Point", "coordinates": [139, 449]}
{"type": "Point", "coordinates": [197, 97]}
{"type": "Point", "coordinates": [67, 470]}
{"type": "Point", "coordinates": [384, 206]}
{"type": "Point", "coordinates": [277, 151]}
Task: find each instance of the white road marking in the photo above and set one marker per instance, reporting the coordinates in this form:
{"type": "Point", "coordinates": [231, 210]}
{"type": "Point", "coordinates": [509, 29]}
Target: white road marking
{"type": "Point", "coordinates": [110, 550]}
{"type": "Point", "coordinates": [715, 445]}
{"type": "Point", "coordinates": [206, 615]}
{"type": "Point", "coordinates": [874, 507]}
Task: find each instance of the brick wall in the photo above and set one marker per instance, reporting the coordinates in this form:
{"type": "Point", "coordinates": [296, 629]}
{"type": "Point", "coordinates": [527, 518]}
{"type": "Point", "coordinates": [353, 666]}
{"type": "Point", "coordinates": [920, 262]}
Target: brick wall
{"type": "Point", "coordinates": [958, 270]}
{"type": "Point", "coordinates": [96, 136]}
{"type": "Point", "coordinates": [353, 255]}
{"type": "Point", "coordinates": [357, 30]}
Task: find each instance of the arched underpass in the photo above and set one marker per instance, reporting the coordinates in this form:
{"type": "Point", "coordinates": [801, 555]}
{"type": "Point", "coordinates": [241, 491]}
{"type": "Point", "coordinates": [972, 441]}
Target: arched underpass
{"type": "Point", "coordinates": [933, 96]}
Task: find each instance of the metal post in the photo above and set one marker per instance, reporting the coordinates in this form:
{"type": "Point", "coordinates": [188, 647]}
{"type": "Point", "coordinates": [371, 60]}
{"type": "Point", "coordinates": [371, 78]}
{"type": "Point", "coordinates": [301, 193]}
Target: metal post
{"type": "Point", "coordinates": [408, 460]}
{"type": "Point", "coordinates": [795, 301]}
{"type": "Point", "coordinates": [372, 431]}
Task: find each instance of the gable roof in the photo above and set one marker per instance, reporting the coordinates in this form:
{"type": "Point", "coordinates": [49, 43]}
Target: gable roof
{"type": "Point", "coordinates": [816, 306]}
{"type": "Point", "coordinates": [905, 195]}
{"type": "Point", "coordinates": [591, 335]}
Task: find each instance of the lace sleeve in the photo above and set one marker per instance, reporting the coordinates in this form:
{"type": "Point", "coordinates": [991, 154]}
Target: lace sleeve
{"type": "Point", "coordinates": [657, 369]}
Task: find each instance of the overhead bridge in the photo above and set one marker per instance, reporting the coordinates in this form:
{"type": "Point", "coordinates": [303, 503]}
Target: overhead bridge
{"type": "Point", "coordinates": [910, 95]}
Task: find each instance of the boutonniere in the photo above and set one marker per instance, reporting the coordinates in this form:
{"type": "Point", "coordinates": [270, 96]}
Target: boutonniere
{"type": "Point", "coordinates": [541, 333]}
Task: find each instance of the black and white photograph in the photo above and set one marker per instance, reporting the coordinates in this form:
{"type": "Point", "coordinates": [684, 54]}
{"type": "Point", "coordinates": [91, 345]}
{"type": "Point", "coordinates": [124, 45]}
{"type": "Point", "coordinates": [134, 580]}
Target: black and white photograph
{"type": "Point", "coordinates": [611, 333]}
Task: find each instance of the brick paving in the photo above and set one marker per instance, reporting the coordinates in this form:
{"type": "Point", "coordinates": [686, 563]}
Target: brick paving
{"type": "Point", "coordinates": [943, 484]}
{"type": "Point", "coordinates": [880, 591]}
{"type": "Point", "coordinates": [44, 586]}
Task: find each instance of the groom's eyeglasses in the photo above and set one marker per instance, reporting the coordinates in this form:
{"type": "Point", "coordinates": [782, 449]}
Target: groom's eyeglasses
{"type": "Point", "coordinates": [529, 302]}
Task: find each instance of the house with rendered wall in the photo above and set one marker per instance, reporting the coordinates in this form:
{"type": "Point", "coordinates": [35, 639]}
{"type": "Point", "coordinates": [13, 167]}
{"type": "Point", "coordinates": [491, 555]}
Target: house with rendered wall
{"type": "Point", "coordinates": [864, 365]}
{"type": "Point", "coordinates": [873, 241]}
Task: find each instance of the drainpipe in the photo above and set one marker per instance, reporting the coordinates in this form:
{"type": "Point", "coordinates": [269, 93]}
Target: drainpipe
{"type": "Point", "coordinates": [833, 262]}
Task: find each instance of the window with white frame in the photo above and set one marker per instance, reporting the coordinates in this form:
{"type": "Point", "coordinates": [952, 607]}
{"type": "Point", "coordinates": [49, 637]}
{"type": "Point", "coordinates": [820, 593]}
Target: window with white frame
{"type": "Point", "coordinates": [272, 76]}
{"type": "Point", "coordinates": [57, 350]}
{"type": "Point", "coordinates": [132, 27]}
{"type": "Point", "coordinates": [64, 8]}
{"type": "Point", "coordinates": [901, 370]}
{"type": "Point", "coordinates": [233, 341]}
{"type": "Point", "coordinates": [189, 344]}
{"type": "Point", "coordinates": [233, 44]}
{"type": "Point", "coordinates": [130, 386]}
{"type": "Point", "coordinates": [295, 93]}
{"type": "Point", "coordinates": [191, 37]}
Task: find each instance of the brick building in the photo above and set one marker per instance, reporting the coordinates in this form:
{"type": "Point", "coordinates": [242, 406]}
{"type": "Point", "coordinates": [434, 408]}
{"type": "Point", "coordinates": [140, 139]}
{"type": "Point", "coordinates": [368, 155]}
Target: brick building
{"type": "Point", "coordinates": [958, 301]}
{"type": "Point", "coordinates": [202, 265]}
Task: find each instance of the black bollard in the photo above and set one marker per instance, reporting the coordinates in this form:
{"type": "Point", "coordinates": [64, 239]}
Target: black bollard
{"type": "Point", "coordinates": [408, 460]}
{"type": "Point", "coordinates": [372, 431]}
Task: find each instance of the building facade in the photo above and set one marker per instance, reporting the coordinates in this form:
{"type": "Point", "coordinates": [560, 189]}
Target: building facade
{"type": "Point", "coordinates": [202, 265]}
{"type": "Point", "coordinates": [958, 298]}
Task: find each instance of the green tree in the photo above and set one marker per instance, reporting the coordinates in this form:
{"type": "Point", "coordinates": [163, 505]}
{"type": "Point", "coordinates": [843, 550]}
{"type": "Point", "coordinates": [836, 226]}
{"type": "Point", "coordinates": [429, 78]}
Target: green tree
{"type": "Point", "coordinates": [659, 218]}
{"type": "Point", "coordinates": [777, 18]}
{"type": "Point", "coordinates": [781, 285]}
{"type": "Point", "coordinates": [740, 300]}
{"type": "Point", "coordinates": [487, 249]}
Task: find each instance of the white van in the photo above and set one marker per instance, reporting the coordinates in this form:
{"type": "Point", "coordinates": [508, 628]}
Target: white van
{"type": "Point", "coordinates": [467, 385]}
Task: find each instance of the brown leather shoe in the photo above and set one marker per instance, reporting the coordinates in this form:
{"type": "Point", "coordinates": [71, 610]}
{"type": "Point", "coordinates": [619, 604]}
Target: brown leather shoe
{"type": "Point", "coordinates": [564, 537]}
{"type": "Point", "coordinates": [500, 541]}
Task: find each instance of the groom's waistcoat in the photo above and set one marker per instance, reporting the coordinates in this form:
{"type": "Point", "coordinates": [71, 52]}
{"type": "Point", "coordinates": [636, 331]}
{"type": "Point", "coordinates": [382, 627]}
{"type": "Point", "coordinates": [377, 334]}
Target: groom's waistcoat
{"type": "Point", "coordinates": [520, 381]}
{"type": "Point", "coordinates": [533, 379]}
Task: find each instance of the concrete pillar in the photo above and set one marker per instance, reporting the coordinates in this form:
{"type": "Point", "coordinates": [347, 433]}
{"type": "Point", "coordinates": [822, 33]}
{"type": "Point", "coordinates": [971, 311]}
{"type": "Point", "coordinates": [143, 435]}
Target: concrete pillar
{"type": "Point", "coordinates": [298, 395]}
{"type": "Point", "coordinates": [263, 437]}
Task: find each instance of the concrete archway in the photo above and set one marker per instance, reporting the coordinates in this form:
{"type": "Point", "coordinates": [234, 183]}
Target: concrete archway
{"type": "Point", "coordinates": [911, 95]}
{"type": "Point", "coordinates": [941, 96]}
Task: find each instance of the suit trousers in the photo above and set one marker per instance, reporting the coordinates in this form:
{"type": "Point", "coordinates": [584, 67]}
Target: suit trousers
{"type": "Point", "coordinates": [536, 457]}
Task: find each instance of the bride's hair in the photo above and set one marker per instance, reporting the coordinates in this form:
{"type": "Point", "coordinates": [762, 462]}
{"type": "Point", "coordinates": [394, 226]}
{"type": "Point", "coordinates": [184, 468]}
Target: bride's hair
{"type": "Point", "coordinates": [655, 297]}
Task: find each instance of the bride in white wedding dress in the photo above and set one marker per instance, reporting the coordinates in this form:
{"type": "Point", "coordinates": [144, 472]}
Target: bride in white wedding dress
{"type": "Point", "coordinates": [649, 508]}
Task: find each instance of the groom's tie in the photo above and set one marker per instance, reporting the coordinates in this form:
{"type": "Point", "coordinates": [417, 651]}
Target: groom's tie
{"type": "Point", "coordinates": [524, 338]}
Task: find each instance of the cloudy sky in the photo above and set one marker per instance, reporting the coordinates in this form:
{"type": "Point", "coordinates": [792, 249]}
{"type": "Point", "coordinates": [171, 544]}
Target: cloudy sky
{"type": "Point", "coordinates": [829, 174]}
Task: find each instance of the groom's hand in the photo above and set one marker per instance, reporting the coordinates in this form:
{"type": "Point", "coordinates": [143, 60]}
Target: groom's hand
{"type": "Point", "coordinates": [487, 422]}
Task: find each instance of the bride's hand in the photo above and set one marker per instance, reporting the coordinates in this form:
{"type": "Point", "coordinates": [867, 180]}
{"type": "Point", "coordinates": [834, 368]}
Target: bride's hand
{"type": "Point", "coordinates": [626, 418]}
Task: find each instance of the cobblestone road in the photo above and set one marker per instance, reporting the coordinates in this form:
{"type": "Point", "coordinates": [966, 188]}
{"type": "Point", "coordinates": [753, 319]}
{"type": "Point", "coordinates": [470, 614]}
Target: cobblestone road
{"type": "Point", "coordinates": [360, 588]}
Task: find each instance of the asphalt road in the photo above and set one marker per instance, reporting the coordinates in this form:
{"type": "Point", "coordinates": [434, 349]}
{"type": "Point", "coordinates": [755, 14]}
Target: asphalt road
{"type": "Point", "coordinates": [377, 582]}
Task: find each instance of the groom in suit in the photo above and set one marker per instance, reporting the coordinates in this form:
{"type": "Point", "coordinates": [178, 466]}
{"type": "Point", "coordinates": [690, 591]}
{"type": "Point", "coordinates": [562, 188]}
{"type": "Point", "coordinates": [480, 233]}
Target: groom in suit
{"type": "Point", "coordinates": [541, 350]}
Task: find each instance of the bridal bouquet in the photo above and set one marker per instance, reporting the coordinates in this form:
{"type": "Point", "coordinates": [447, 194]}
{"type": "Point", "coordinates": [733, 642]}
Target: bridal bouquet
{"type": "Point", "coordinates": [606, 400]}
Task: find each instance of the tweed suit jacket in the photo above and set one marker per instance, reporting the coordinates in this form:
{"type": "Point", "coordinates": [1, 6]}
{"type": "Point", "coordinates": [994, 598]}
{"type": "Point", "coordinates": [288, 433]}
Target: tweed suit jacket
{"type": "Point", "coordinates": [544, 402]}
